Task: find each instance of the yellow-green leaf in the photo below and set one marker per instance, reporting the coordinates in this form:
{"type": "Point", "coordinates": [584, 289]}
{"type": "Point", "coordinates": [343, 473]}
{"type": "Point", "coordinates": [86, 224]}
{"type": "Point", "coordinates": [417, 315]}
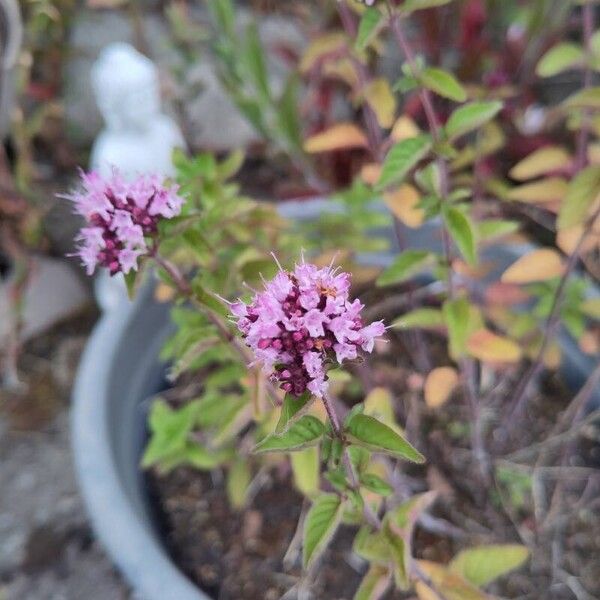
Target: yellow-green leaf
{"type": "Point", "coordinates": [586, 98]}
{"type": "Point", "coordinates": [306, 470]}
{"type": "Point", "coordinates": [542, 161]}
{"type": "Point", "coordinates": [537, 265]}
{"type": "Point", "coordinates": [582, 193]}
{"type": "Point", "coordinates": [439, 384]}
{"type": "Point", "coordinates": [483, 564]}
{"type": "Point", "coordinates": [591, 308]}
{"type": "Point", "coordinates": [238, 480]}
{"type": "Point", "coordinates": [442, 83]}
{"type": "Point", "coordinates": [337, 137]}
{"type": "Point", "coordinates": [371, 546]}
{"type": "Point", "coordinates": [320, 526]}
{"type": "Point", "coordinates": [486, 346]}
{"type": "Point", "coordinates": [561, 57]}
{"type": "Point", "coordinates": [400, 556]}
{"type": "Point", "coordinates": [404, 204]}
{"type": "Point", "coordinates": [374, 584]}
{"type": "Point", "coordinates": [546, 190]}
{"type": "Point", "coordinates": [319, 48]}
{"type": "Point", "coordinates": [378, 94]}
{"type": "Point", "coordinates": [452, 585]}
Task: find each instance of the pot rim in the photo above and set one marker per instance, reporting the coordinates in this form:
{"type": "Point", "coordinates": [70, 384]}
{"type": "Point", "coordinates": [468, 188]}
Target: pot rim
{"type": "Point", "coordinates": [136, 550]}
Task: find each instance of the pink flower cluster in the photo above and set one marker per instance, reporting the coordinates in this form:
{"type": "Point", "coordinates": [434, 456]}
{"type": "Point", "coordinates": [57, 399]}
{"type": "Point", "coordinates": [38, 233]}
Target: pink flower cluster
{"type": "Point", "coordinates": [302, 323]}
{"type": "Point", "coordinates": [120, 215]}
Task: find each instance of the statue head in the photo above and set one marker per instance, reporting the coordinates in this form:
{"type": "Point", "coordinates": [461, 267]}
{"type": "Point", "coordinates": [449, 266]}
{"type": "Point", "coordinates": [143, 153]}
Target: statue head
{"type": "Point", "coordinates": [125, 85]}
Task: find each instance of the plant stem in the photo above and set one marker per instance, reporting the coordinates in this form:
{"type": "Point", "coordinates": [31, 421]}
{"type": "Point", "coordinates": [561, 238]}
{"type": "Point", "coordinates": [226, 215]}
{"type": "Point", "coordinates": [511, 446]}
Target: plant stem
{"type": "Point", "coordinates": [550, 327]}
{"type": "Point", "coordinates": [477, 440]}
{"type": "Point", "coordinates": [553, 320]}
{"type": "Point", "coordinates": [185, 290]}
{"type": "Point", "coordinates": [373, 129]}
{"type": "Point", "coordinates": [369, 513]}
{"type": "Point", "coordinates": [584, 132]}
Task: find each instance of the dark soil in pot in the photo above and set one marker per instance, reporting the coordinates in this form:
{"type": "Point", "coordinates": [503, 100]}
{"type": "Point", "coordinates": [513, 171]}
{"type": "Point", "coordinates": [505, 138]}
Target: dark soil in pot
{"type": "Point", "coordinates": [233, 555]}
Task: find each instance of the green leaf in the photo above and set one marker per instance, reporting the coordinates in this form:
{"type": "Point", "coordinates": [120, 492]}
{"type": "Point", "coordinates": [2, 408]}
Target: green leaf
{"type": "Point", "coordinates": [305, 432]}
{"type": "Point", "coordinates": [207, 299]}
{"type": "Point", "coordinates": [288, 118]}
{"type": "Point", "coordinates": [224, 15]}
{"type": "Point", "coordinates": [170, 430]}
{"type": "Point", "coordinates": [292, 406]}
{"type": "Point", "coordinates": [306, 470]}
{"type": "Point", "coordinates": [560, 58]}
{"type": "Point", "coordinates": [367, 431]}
{"type": "Point", "coordinates": [400, 556]}
{"type": "Point", "coordinates": [405, 266]}
{"type": "Point", "coordinates": [456, 316]}
{"type": "Point", "coordinates": [238, 480]}
{"type": "Point", "coordinates": [320, 526]}
{"type": "Point", "coordinates": [374, 584]}
{"type": "Point", "coordinates": [203, 459]}
{"type": "Point", "coordinates": [470, 117]}
{"type": "Point", "coordinates": [229, 166]}
{"type": "Point", "coordinates": [420, 318]}
{"type": "Point", "coordinates": [371, 545]}
{"type": "Point", "coordinates": [255, 61]}
{"type": "Point", "coordinates": [131, 279]}
{"type": "Point", "coordinates": [368, 27]}
{"type": "Point", "coordinates": [482, 564]}
{"type": "Point", "coordinates": [376, 484]}
{"type": "Point", "coordinates": [581, 194]}
{"type": "Point", "coordinates": [402, 158]}
{"type": "Point", "coordinates": [443, 83]}
{"type": "Point", "coordinates": [411, 5]}
{"type": "Point", "coordinates": [461, 231]}
{"type": "Point", "coordinates": [496, 227]}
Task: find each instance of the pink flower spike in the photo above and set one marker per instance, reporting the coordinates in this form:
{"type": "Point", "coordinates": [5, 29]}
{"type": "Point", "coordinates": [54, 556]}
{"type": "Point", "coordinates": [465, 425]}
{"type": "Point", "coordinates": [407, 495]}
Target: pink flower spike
{"type": "Point", "coordinates": [313, 321]}
{"type": "Point", "coordinates": [120, 216]}
{"type": "Point", "coordinates": [369, 334]}
{"type": "Point", "coordinates": [301, 322]}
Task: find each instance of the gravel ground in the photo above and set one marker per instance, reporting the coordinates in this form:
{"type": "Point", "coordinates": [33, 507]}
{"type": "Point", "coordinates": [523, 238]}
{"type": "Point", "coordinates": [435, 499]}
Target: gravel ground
{"type": "Point", "coordinates": [47, 549]}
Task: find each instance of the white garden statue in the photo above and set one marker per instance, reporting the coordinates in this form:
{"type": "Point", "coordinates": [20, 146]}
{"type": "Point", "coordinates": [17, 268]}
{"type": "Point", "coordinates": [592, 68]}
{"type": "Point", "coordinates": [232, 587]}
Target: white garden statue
{"type": "Point", "coordinates": [138, 138]}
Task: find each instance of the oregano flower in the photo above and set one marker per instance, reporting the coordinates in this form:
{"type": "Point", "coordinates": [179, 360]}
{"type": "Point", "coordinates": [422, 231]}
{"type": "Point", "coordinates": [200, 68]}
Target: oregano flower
{"type": "Point", "coordinates": [302, 324]}
{"type": "Point", "coordinates": [120, 218]}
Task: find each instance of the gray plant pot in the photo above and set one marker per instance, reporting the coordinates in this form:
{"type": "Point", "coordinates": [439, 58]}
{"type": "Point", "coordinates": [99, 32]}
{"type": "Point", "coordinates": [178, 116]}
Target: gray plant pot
{"type": "Point", "coordinates": [11, 33]}
{"type": "Point", "coordinates": [120, 370]}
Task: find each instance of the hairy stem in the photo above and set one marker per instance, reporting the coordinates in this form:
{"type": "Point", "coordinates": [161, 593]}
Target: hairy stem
{"type": "Point", "coordinates": [369, 513]}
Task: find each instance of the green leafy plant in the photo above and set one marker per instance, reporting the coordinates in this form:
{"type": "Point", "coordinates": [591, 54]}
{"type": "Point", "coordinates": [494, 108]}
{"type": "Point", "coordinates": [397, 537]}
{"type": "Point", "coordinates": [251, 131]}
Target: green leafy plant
{"type": "Point", "coordinates": [371, 443]}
